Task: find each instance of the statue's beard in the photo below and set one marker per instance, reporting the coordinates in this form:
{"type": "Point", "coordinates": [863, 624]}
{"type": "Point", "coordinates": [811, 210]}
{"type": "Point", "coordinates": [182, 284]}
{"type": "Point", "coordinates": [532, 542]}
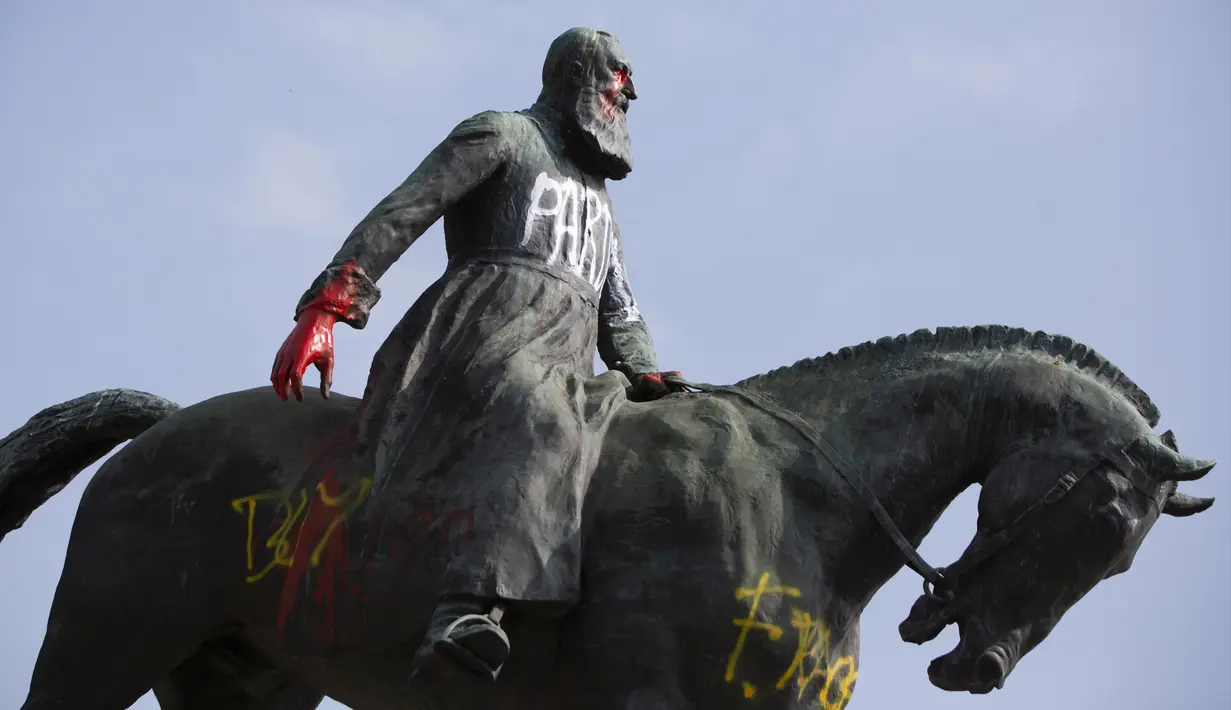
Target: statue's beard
{"type": "Point", "coordinates": [606, 149]}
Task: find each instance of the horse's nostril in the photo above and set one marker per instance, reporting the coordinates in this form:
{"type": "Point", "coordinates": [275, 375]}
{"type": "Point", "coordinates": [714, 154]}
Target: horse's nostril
{"type": "Point", "coordinates": [991, 669]}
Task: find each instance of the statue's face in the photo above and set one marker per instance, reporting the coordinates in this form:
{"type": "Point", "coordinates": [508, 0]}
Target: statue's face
{"type": "Point", "coordinates": [604, 89]}
{"type": "Point", "coordinates": [1008, 604]}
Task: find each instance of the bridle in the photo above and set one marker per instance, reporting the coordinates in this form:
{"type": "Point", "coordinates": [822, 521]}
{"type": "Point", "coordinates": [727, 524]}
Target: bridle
{"type": "Point", "coordinates": [940, 584]}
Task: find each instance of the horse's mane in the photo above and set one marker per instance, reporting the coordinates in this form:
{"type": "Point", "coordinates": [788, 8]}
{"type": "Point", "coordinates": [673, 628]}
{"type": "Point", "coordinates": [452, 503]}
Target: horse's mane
{"type": "Point", "coordinates": [966, 340]}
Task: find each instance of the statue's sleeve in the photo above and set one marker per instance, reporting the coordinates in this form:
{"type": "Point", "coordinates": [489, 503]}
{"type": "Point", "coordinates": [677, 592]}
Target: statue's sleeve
{"type": "Point", "coordinates": [622, 333]}
{"type": "Point", "coordinates": [472, 152]}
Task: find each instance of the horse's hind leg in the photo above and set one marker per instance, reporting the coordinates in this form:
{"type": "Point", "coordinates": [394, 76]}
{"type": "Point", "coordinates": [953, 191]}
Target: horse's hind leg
{"type": "Point", "coordinates": [222, 674]}
{"type": "Point", "coordinates": [219, 694]}
{"type": "Point", "coordinates": [129, 608]}
{"type": "Point", "coordinates": [100, 655]}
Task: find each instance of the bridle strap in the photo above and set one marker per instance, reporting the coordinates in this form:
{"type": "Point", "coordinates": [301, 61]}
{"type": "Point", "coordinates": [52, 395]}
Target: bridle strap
{"type": "Point", "coordinates": [991, 544]}
{"type": "Point", "coordinates": [1112, 451]}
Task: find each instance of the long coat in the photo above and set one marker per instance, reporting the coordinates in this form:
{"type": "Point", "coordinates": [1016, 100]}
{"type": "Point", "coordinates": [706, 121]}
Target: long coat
{"type": "Point", "coordinates": [483, 398]}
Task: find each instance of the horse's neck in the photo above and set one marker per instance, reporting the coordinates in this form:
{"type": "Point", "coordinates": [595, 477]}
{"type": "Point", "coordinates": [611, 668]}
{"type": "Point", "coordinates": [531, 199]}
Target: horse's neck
{"type": "Point", "coordinates": [910, 437]}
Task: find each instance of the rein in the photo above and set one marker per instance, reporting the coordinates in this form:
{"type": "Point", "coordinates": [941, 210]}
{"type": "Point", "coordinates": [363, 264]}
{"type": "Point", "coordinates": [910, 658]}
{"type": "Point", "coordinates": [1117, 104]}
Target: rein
{"type": "Point", "coordinates": [939, 584]}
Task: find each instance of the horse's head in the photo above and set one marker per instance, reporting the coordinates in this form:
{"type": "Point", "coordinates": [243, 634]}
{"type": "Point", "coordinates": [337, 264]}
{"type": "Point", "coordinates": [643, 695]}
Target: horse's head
{"type": "Point", "coordinates": [1055, 518]}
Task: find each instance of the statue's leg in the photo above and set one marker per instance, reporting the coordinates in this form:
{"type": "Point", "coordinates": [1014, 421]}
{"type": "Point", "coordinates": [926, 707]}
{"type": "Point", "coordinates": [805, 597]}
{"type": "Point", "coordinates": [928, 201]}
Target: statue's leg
{"type": "Point", "coordinates": [526, 484]}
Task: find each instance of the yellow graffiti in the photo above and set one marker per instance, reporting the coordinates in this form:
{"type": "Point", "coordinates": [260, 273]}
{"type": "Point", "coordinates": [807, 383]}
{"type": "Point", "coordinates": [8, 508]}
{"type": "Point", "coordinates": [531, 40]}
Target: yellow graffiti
{"type": "Point", "coordinates": [812, 647]}
{"type": "Point", "coordinates": [810, 667]}
{"type": "Point", "coordinates": [749, 623]}
{"type": "Point", "coordinates": [845, 688]}
{"type": "Point", "coordinates": [282, 541]}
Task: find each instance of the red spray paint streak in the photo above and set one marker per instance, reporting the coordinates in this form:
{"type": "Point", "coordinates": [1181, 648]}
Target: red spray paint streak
{"type": "Point", "coordinates": [338, 295]}
{"type": "Point", "coordinates": [321, 540]}
{"type": "Point", "coordinates": [318, 519]}
{"type": "Point", "coordinates": [320, 552]}
{"type": "Point", "coordinates": [322, 519]}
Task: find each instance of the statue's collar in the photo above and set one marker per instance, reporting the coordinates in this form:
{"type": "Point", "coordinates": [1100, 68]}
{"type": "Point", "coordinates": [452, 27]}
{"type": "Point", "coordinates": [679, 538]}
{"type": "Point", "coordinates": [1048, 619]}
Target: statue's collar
{"type": "Point", "coordinates": [548, 114]}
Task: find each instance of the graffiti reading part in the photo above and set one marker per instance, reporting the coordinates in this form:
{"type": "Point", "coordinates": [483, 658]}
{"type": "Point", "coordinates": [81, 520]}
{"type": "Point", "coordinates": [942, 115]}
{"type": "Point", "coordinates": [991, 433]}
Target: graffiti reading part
{"type": "Point", "coordinates": [811, 668]}
{"type": "Point", "coordinates": [289, 535]}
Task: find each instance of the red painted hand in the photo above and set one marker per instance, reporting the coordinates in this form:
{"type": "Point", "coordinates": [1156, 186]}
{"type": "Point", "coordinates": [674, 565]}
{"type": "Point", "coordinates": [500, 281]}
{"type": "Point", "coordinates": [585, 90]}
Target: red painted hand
{"type": "Point", "coordinates": [651, 385]}
{"type": "Point", "coordinates": [310, 343]}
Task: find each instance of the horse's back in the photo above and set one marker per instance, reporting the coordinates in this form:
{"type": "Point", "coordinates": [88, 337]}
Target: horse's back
{"type": "Point", "coordinates": [164, 508]}
{"type": "Point", "coordinates": [250, 430]}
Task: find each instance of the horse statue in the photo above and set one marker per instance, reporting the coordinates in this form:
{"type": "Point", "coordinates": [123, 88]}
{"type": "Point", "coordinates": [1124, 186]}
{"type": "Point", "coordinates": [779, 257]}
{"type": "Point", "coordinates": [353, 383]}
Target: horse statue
{"type": "Point", "coordinates": [732, 537]}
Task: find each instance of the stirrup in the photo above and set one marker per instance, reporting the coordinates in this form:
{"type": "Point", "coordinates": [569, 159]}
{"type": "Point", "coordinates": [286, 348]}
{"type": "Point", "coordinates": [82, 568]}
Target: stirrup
{"type": "Point", "coordinates": [478, 650]}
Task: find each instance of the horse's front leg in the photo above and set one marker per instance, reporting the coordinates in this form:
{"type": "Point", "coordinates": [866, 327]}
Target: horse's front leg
{"type": "Point", "coordinates": [652, 699]}
{"type": "Point", "coordinates": [622, 653]}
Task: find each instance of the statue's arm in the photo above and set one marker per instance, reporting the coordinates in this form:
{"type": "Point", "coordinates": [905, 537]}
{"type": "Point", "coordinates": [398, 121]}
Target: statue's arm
{"type": "Point", "coordinates": [472, 152]}
{"type": "Point", "coordinates": [623, 336]}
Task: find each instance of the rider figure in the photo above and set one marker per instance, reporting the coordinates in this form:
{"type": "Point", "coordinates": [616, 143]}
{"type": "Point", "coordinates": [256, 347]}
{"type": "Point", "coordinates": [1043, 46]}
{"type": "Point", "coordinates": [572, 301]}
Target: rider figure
{"type": "Point", "coordinates": [483, 395]}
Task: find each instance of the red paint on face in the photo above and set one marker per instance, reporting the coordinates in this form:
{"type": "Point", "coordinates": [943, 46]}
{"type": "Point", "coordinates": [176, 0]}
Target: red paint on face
{"type": "Point", "coordinates": [613, 92]}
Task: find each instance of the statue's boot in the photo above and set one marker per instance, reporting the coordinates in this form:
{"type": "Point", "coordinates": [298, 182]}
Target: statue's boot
{"type": "Point", "coordinates": [463, 635]}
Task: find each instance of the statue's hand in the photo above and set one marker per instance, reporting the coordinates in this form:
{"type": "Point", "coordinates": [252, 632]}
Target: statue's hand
{"type": "Point", "coordinates": [650, 385]}
{"type": "Point", "coordinates": [310, 343]}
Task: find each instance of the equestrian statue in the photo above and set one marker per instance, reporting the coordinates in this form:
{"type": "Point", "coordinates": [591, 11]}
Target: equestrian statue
{"type": "Point", "coordinates": [494, 525]}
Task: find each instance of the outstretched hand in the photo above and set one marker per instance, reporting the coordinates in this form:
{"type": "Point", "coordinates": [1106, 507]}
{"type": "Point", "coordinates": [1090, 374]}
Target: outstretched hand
{"type": "Point", "coordinates": [310, 343]}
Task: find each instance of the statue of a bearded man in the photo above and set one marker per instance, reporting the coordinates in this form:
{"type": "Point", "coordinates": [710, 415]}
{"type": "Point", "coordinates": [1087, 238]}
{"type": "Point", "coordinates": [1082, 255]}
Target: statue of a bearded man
{"type": "Point", "coordinates": [483, 395]}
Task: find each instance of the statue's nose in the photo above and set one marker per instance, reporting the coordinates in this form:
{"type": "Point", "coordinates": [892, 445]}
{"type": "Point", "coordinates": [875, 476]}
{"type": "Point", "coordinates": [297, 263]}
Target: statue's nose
{"type": "Point", "coordinates": [629, 90]}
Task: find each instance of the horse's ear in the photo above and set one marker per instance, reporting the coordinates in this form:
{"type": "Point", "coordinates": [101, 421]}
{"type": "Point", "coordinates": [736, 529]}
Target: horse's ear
{"type": "Point", "coordinates": [1182, 505]}
{"type": "Point", "coordinates": [1170, 465]}
{"type": "Point", "coordinates": [1167, 464]}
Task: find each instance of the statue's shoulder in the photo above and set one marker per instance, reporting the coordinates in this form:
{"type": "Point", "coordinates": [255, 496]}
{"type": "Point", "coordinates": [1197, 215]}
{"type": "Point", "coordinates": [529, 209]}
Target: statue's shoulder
{"type": "Point", "coordinates": [505, 132]}
{"type": "Point", "coordinates": [489, 125]}
{"type": "Point", "coordinates": [522, 125]}
{"type": "Point", "coordinates": [505, 121]}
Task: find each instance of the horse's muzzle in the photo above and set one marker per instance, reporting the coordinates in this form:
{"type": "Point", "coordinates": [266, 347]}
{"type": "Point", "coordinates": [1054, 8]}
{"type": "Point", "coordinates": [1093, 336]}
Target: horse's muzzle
{"type": "Point", "coordinates": [986, 673]}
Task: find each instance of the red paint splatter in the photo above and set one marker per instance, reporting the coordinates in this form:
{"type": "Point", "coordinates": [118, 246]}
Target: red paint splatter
{"type": "Point", "coordinates": [612, 93]}
{"type": "Point", "coordinates": [316, 522]}
{"type": "Point", "coordinates": [338, 295]}
{"type": "Point", "coordinates": [332, 578]}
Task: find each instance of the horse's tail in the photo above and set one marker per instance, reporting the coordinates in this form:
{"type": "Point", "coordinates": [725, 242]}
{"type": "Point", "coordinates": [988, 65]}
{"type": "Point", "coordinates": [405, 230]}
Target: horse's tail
{"type": "Point", "coordinates": [43, 456]}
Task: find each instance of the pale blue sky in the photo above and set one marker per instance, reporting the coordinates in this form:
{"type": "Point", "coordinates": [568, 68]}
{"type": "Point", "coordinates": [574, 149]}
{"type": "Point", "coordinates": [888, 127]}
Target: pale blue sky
{"type": "Point", "coordinates": [809, 175]}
